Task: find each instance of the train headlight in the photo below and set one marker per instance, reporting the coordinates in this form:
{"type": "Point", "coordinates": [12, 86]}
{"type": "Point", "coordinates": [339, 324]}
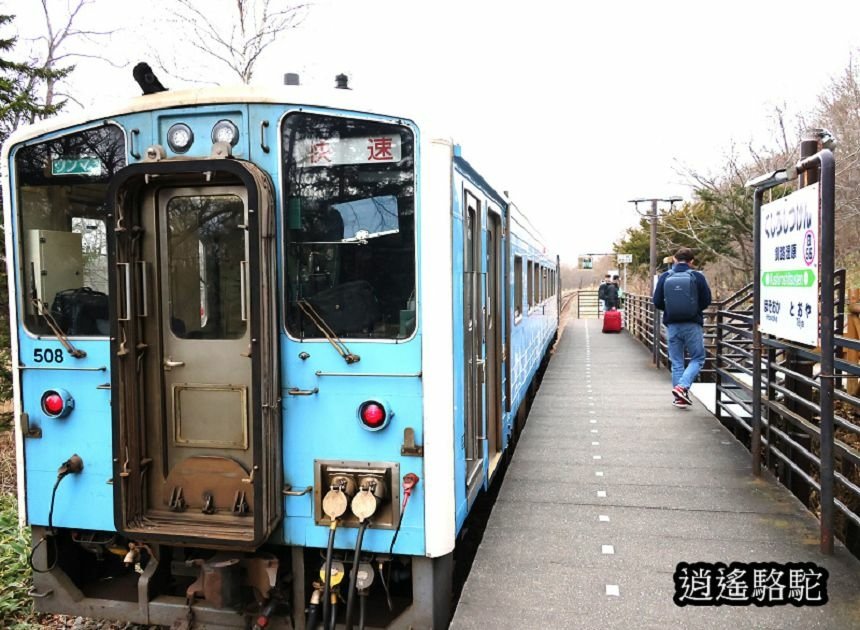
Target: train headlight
{"type": "Point", "coordinates": [225, 131]}
{"type": "Point", "coordinates": [374, 415]}
{"type": "Point", "coordinates": [180, 137]}
{"type": "Point", "coordinates": [57, 403]}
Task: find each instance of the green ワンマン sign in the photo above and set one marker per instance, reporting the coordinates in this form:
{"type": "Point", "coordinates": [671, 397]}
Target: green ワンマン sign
{"type": "Point", "coordinates": [800, 278]}
{"type": "Point", "coordinates": [76, 166]}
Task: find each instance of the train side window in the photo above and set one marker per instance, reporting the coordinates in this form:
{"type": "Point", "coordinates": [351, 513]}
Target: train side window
{"type": "Point", "coordinates": [544, 283]}
{"type": "Point", "coordinates": [530, 286]}
{"type": "Point", "coordinates": [61, 186]}
{"type": "Point", "coordinates": [540, 288]}
{"type": "Point", "coordinates": [518, 287]}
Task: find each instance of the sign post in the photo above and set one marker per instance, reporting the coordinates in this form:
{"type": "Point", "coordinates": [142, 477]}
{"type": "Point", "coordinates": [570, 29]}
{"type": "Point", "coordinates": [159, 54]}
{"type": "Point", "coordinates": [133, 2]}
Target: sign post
{"type": "Point", "coordinates": [624, 259]}
{"type": "Point", "coordinates": [794, 267]}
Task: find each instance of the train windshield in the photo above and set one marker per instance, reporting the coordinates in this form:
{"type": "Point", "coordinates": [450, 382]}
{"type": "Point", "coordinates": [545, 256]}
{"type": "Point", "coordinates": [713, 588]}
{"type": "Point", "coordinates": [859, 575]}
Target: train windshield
{"type": "Point", "coordinates": [61, 190]}
{"type": "Point", "coordinates": [349, 227]}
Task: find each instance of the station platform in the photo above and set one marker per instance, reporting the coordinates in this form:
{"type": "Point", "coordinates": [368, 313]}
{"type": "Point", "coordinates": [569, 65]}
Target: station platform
{"type": "Point", "coordinates": [611, 487]}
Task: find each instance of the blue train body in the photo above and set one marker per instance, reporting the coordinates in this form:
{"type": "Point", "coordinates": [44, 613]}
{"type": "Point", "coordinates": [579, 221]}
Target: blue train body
{"type": "Point", "coordinates": [275, 328]}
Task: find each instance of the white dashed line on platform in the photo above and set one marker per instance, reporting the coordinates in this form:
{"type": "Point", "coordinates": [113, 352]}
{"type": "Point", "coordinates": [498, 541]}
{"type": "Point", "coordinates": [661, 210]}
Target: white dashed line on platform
{"type": "Point", "coordinates": [613, 590]}
{"type": "Point", "coordinates": [607, 549]}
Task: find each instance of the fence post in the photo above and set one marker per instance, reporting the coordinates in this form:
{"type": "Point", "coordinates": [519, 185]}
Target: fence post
{"type": "Point", "coordinates": [827, 263]}
{"type": "Point", "coordinates": [755, 438]}
{"type": "Point", "coordinates": [718, 381]}
{"type": "Point", "coordinates": [822, 165]}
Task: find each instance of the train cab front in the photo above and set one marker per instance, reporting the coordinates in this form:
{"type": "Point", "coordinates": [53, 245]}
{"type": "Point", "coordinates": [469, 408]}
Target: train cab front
{"type": "Point", "coordinates": [148, 350]}
{"type": "Point", "coordinates": [221, 349]}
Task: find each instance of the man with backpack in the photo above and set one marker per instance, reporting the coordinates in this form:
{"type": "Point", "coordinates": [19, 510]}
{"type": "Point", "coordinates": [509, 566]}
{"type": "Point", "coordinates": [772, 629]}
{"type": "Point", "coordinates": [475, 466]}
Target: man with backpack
{"type": "Point", "coordinates": [682, 294]}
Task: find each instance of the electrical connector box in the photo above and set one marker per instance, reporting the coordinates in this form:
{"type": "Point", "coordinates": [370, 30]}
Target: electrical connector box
{"type": "Point", "coordinates": [388, 475]}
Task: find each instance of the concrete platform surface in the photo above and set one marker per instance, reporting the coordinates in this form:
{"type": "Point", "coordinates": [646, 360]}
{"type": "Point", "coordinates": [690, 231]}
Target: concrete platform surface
{"type": "Point", "coordinates": [611, 487]}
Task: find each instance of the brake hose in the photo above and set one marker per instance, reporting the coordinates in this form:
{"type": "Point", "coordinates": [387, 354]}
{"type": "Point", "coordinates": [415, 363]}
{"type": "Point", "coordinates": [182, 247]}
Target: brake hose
{"type": "Point", "coordinates": [410, 480]}
{"type": "Point", "coordinates": [361, 609]}
{"type": "Point", "coordinates": [326, 586]}
{"type": "Point", "coordinates": [72, 465]}
{"type": "Point", "coordinates": [313, 609]}
{"type": "Point", "coordinates": [350, 599]}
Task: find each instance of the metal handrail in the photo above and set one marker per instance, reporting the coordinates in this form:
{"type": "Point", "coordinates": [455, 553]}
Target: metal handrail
{"type": "Point", "coordinates": [790, 435]}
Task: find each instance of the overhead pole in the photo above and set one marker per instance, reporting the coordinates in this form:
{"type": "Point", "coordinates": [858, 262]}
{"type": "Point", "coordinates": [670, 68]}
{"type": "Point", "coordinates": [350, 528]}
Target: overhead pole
{"type": "Point", "coordinates": [652, 265]}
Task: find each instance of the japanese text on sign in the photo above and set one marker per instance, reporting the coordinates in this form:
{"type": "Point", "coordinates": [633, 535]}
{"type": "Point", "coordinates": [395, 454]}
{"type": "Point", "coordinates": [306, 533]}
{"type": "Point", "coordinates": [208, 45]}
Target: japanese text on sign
{"type": "Point", "coordinates": [76, 166]}
{"type": "Point", "coordinates": [789, 267]}
{"type": "Point", "coordinates": [338, 151]}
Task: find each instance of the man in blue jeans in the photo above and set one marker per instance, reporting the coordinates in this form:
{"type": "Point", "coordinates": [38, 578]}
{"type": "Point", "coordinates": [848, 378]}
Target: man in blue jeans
{"type": "Point", "coordinates": [682, 294]}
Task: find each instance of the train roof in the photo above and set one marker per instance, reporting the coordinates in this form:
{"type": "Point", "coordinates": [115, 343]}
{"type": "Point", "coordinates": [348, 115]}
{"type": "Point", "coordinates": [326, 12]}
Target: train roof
{"type": "Point", "coordinates": [332, 98]}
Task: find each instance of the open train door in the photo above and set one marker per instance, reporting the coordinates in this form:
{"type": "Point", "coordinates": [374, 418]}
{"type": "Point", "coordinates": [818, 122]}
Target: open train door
{"type": "Point", "coordinates": [197, 432]}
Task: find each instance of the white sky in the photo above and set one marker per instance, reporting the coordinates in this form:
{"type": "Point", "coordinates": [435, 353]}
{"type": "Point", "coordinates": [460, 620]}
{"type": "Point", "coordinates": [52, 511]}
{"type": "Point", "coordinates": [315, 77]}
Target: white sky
{"type": "Point", "coordinates": [574, 108]}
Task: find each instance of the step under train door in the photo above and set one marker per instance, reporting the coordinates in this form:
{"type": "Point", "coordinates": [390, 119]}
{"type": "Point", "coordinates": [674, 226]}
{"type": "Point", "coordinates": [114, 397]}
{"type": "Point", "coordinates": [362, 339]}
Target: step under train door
{"type": "Point", "coordinates": [194, 354]}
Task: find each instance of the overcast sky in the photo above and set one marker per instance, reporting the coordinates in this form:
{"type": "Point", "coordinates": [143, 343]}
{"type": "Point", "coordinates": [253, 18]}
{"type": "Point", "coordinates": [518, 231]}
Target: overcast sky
{"type": "Point", "coordinates": [573, 107]}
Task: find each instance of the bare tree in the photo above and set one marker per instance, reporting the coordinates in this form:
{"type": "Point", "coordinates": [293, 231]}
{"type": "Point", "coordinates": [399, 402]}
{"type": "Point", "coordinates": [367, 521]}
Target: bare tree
{"type": "Point", "coordinates": [58, 49]}
{"type": "Point", "coordinates": [233, 39]}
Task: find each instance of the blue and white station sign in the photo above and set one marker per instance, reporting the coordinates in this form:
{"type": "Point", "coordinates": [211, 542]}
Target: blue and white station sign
{"type": "Point", "coordinates": [789, 266]}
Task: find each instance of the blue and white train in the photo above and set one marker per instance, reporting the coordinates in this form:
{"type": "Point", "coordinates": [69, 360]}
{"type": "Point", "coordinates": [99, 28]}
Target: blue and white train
{"type": "Point", "coordinates": [261, 337]}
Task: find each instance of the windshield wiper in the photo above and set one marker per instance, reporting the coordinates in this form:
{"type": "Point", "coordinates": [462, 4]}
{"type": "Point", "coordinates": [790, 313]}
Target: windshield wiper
{"type": "Point", "coordinates": [55, 328]}
{"type": "Point", "coordinates": [326, 330]}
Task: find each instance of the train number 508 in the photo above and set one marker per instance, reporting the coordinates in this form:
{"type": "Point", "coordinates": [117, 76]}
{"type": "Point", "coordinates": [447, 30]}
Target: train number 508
{"type": "Point", "coordinates": [47, 355]}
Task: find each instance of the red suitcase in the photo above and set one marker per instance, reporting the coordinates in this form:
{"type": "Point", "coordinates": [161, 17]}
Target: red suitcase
{"type": "Point", "coordinates": [612, 321]}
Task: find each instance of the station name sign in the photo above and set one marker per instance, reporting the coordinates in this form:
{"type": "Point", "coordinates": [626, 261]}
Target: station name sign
{"type": "Point", "coordinates": [789, 266]}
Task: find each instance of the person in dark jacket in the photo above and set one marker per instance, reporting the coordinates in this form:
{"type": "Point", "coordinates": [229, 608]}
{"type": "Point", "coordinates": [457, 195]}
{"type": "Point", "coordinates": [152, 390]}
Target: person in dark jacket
{"type": "Point", "coordinates": [601, 294]}
{"type": "Point", "coordinates": [611, 295]}
{"type": "Point", "coordinates": [607, 293]}
{"type": "Point", "coordinates": [684, 332]}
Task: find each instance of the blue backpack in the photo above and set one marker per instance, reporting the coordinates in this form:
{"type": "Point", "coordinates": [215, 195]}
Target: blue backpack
{"type": "Point", "coordinates": [681, 297]}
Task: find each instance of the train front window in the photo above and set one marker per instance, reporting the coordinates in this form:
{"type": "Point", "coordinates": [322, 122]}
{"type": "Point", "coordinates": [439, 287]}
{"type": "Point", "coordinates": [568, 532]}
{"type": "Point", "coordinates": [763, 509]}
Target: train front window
{"type": "Point", "coordinates": [61, 189]}
{"type": "Point", "coordinates": [349, 227]}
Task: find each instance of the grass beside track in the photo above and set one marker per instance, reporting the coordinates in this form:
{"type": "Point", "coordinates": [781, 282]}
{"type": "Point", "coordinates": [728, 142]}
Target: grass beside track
{"type": "Point", "coordinates": [16, 607]}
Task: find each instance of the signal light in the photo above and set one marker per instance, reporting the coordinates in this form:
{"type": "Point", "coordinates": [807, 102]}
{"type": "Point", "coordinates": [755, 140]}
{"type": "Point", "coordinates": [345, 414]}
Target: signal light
{"type": "Point", "coordinates": [374, 415]}
{"type": "Point", "coordinates": [57, 403]}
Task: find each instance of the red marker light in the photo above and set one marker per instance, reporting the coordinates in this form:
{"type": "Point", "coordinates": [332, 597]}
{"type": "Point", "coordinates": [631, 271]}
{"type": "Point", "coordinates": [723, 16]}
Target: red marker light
{"type": "Point", "coordinates": [372, 415]}
{"type": "Point", "coordinates": [53, 404]}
